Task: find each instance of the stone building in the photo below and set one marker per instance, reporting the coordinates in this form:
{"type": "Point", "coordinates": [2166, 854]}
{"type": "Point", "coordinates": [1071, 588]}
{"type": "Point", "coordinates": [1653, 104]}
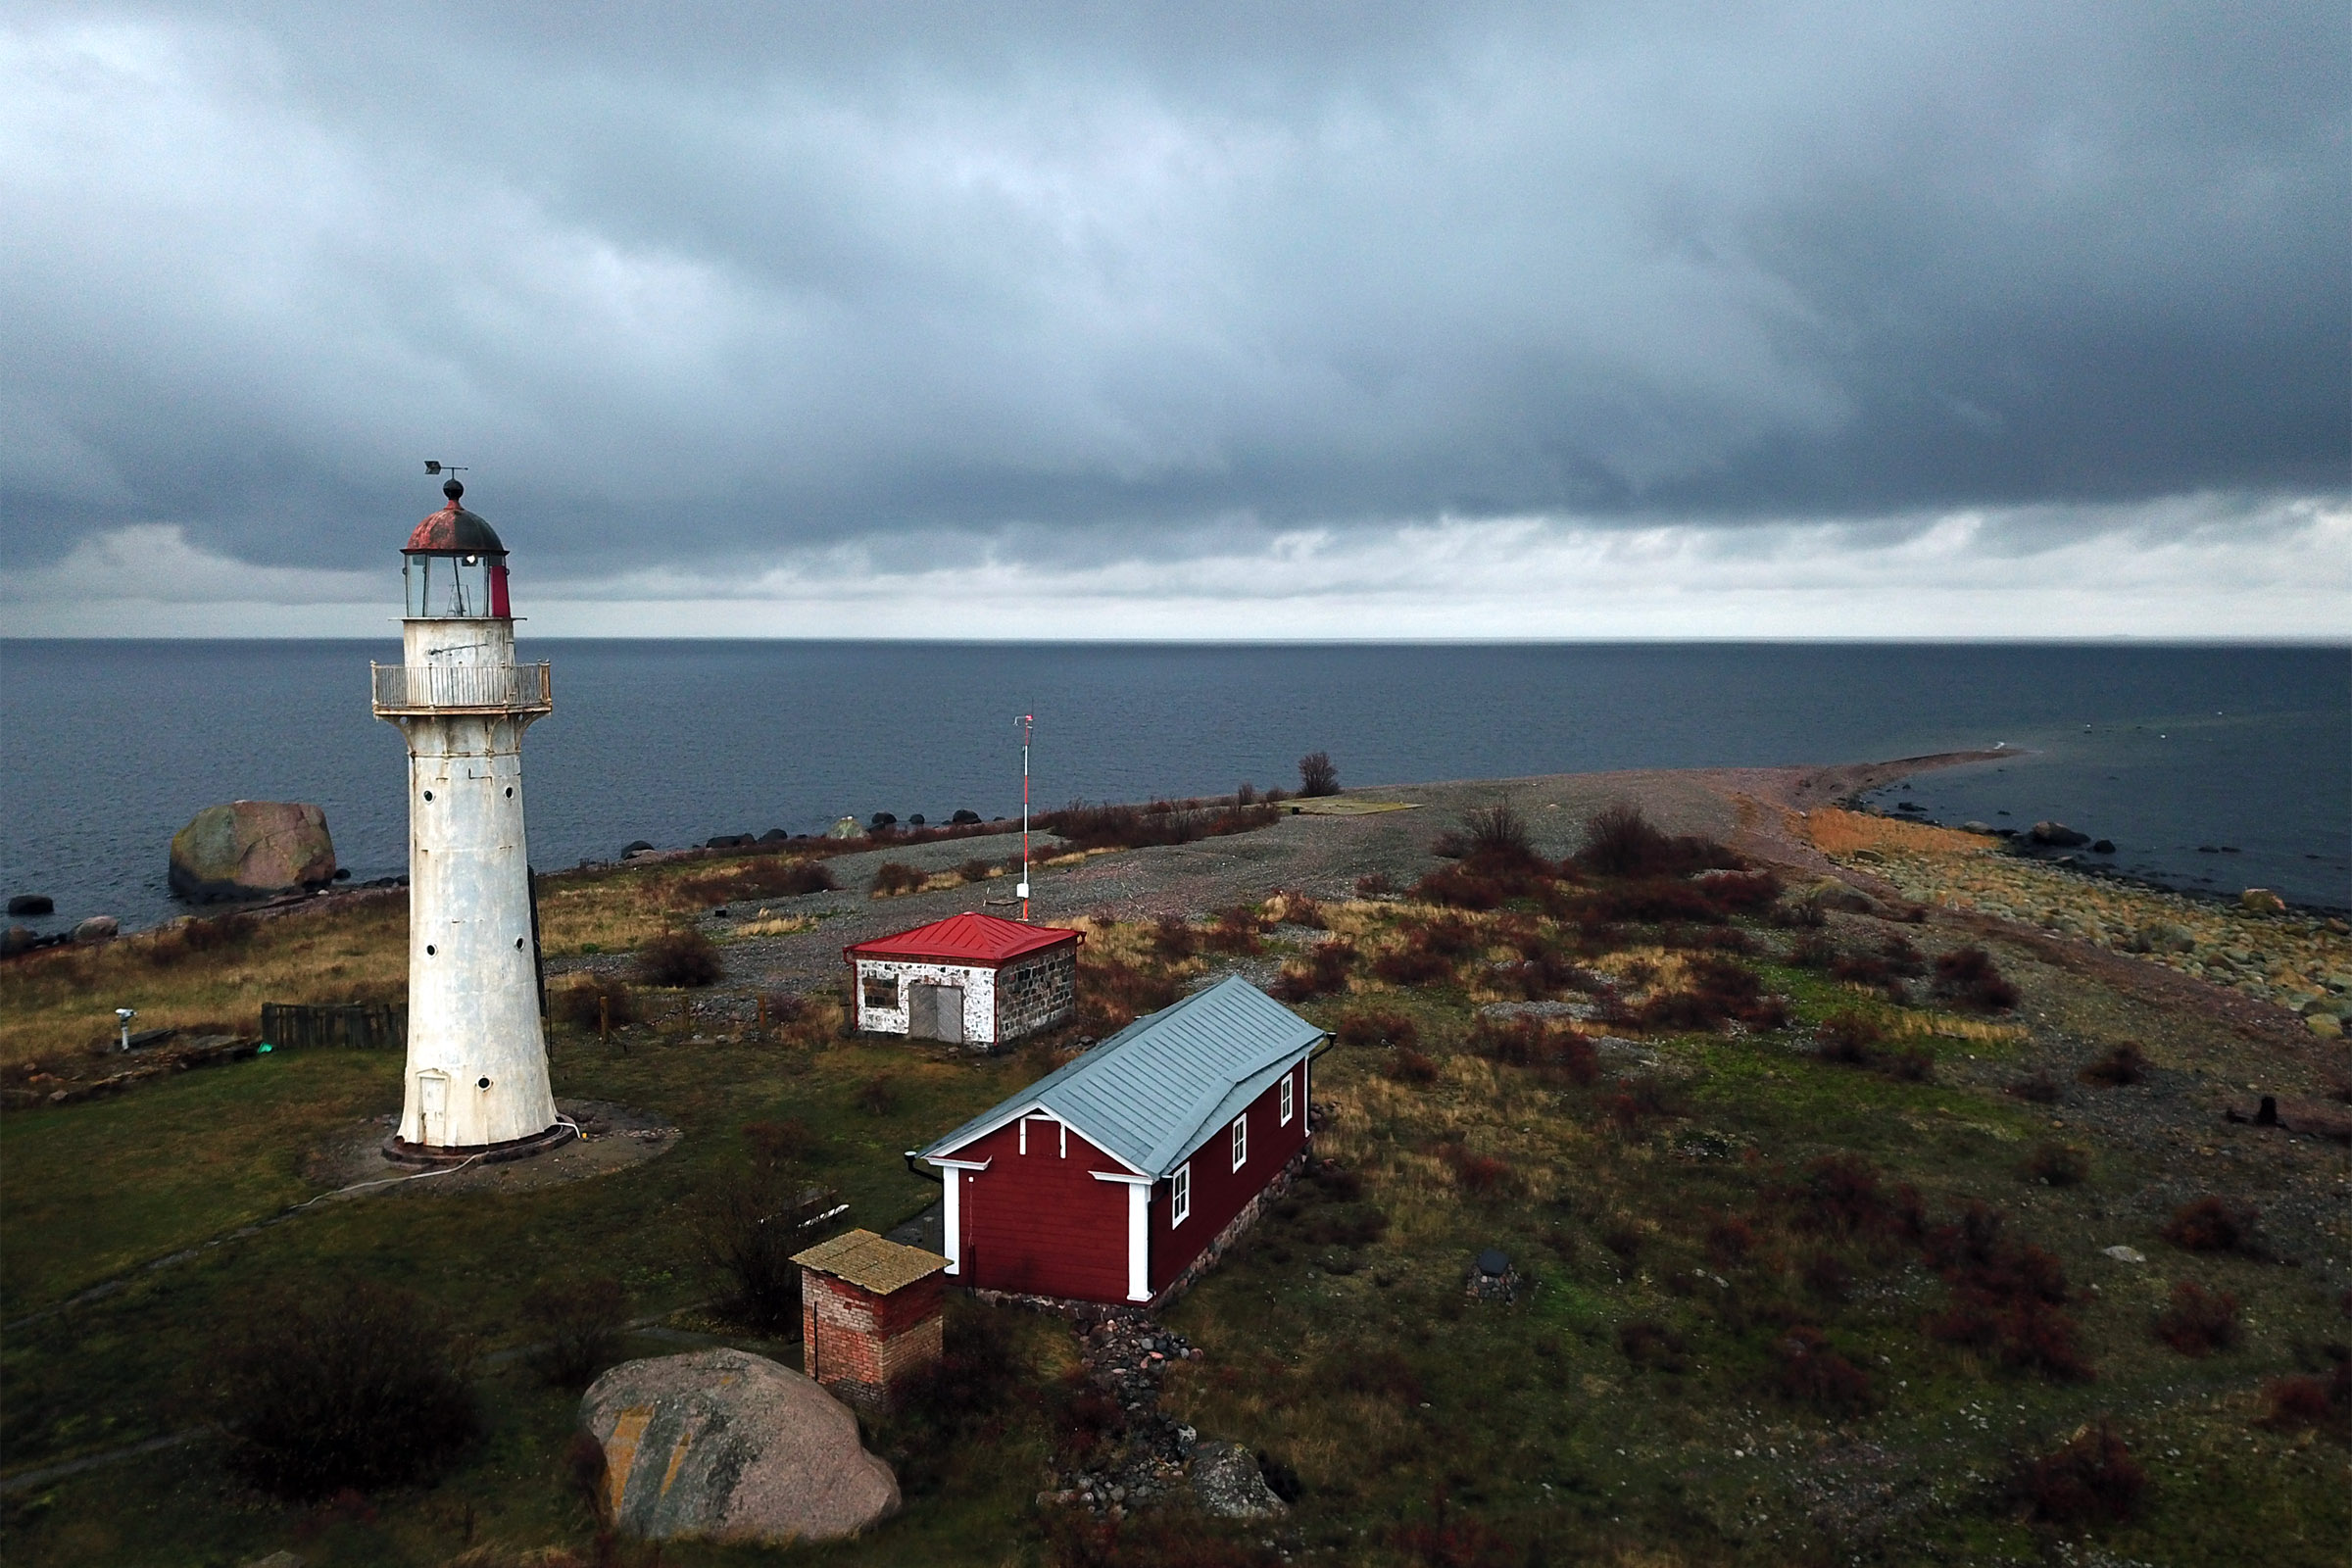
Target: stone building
{"type": "Point", "coordinates": [971, 979]}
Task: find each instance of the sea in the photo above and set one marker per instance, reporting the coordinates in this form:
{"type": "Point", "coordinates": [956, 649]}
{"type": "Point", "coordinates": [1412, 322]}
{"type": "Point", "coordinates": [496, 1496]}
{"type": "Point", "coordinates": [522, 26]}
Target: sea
{"type": "Point", "coordinates": [2211, 769]}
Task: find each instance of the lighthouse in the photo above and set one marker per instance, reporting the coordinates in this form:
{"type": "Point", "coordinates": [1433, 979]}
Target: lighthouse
{"type": "Point", "coordinates": [476, 1080]}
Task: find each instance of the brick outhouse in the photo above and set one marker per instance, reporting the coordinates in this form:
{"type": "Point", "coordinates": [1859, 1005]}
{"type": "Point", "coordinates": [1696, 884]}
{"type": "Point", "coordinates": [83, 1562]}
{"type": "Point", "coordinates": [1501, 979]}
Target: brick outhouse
{"type": "Point", "coordinates": [870, 1314]}
{"type": "Point", "coordinates": [971, 979]}
{"type": "Point", "coordinates": [1120, 1176]}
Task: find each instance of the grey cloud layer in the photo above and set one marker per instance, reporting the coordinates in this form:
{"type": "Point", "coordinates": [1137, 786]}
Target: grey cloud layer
{"type": "Point", "coordinates": [1099, 285]}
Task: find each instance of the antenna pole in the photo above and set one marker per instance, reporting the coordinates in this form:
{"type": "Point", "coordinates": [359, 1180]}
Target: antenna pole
{"type": "Point", "coordinates": [1028, 723]}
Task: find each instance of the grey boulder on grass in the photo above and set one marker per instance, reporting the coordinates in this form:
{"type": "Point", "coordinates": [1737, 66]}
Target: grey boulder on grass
{"type": "Point", "coordinates": [251, 849]}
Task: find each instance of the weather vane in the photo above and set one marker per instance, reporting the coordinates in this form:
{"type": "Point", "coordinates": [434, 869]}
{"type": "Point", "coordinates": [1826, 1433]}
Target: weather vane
{"type": "Point", "coordinates": [433, 465]}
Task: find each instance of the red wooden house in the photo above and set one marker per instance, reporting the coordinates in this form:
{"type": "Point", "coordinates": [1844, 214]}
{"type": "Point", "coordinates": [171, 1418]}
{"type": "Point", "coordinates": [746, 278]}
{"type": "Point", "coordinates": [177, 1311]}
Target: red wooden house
{"type": "Point", "coordinates": [1121, 1175]}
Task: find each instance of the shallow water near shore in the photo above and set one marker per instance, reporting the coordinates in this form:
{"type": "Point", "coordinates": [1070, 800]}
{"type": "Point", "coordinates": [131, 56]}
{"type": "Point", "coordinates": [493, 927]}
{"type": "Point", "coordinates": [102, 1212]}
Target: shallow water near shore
{"type": "Point", "coordinates": [108, 747]}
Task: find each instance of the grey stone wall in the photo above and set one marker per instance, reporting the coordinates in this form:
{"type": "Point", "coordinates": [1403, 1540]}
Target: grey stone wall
{"type": "Point", "coordinates": [1037, 993]}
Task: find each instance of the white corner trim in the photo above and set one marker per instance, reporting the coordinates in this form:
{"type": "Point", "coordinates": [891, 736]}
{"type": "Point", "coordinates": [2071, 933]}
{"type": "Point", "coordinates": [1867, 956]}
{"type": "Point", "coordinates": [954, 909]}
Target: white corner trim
{"type": "Point", "coordinates": [1139, 1241]}
{"type": "Point", "coordinates": [951, 1219]}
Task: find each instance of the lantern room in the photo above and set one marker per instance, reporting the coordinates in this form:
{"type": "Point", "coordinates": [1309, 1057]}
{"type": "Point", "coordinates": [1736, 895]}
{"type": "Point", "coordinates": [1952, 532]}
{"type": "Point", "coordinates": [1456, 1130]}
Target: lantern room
{"type": "Point", "coordinates": [454, 565]}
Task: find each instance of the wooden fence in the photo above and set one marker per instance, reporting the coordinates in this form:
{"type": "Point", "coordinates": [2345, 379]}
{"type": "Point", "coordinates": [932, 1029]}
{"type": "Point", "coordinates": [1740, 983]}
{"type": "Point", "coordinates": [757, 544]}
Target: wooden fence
{"type": "Point", "coordinates": [351, 1025]}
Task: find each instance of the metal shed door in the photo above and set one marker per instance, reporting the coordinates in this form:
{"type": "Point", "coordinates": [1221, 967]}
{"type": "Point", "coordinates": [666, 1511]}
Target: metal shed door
{"type": "Point", "coordinates": [935, 1012]}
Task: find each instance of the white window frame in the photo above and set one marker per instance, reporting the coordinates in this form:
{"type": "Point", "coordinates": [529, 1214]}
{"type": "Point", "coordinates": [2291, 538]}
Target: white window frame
{"type": "Point", "coordinates": [1180, 1195]}
{"type": "Point", "coordinates": [1289, 1104]}
{"type": "Point", "coordinates": [1241, 1139]}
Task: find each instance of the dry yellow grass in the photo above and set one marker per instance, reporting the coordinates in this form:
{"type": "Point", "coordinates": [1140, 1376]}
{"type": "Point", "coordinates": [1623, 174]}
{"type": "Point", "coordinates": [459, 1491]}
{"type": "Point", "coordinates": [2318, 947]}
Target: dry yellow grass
{"type": "Point", "coordinates": [1837, 832]}
{"type": "Point", "coordinates": [63, 1001]}
{"type": "Point", "coordinates": [778, 925]}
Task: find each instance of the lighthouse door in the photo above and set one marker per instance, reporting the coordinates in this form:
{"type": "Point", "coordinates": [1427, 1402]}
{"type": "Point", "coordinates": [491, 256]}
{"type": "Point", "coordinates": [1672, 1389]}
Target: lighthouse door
{"type": "Point", "coordinates": [432, 1108]}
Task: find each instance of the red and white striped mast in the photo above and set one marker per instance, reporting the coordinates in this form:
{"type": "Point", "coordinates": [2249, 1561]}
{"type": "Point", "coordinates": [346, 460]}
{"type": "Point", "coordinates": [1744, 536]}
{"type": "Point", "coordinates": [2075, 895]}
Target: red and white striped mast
{"type": "Point", "coordinates": [1028, 723]}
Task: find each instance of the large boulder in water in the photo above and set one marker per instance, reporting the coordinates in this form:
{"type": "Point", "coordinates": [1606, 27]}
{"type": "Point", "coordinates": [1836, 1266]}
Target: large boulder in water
{"type": "Point", "coordinates": [251, 849]}
{"type": "Point", "coordinates": [732, 1447]}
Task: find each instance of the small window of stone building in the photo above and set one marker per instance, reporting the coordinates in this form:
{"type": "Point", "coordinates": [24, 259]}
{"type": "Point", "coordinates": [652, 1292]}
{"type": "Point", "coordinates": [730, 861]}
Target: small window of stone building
{"type": "Point", "coordinates": [881, 990]}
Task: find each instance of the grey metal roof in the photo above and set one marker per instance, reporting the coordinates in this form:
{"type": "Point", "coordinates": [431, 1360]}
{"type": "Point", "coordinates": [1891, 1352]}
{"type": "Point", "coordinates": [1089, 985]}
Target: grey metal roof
{"type": "Point", "coordinates": [1150, 1093]}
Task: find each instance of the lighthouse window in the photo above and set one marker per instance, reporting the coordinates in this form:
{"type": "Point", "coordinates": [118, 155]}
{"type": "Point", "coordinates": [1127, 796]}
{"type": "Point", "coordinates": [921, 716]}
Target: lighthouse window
{"type": "Point", "coordinates": [510, 791]}
{"type": "Point", "coordinates": [518, 944]}
{"type": "Point", "coordinates": [481, 1082]}
{"type": "Point", "coordinates": [428, 794]}
{"type": "Point", "coordinates": [428, 949]}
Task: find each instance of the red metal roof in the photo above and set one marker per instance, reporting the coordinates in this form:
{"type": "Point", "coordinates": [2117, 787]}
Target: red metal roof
{"type": "Point", "coordinates": [975, 939]}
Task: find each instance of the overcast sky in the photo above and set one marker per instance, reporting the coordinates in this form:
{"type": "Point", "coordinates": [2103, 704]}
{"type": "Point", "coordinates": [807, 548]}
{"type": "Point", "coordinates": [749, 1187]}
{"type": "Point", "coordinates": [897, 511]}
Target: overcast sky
{"type": "Point", "coordinates": [1235, 321]}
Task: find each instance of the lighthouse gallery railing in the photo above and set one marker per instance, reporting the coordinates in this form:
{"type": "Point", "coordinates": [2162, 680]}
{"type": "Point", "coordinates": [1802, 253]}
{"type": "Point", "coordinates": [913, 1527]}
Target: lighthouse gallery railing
{"type": "Point", "coordinates": [481, 688]}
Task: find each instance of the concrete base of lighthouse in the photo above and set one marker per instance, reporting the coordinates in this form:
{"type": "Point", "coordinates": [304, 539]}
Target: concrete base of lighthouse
{"type": "Point", "coordinates": [401, 1152]}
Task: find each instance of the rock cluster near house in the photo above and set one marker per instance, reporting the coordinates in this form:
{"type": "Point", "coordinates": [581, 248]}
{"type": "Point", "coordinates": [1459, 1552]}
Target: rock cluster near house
{"type": "Point", "coordinates": [251, 849]}
{"type": "Point", "coordinates": [732, 1447]}
{"type": "Point", "coordinates": [1122, 1357]}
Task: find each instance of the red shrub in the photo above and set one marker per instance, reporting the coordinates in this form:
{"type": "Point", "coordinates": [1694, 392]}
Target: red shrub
{"type": "Point", "coordinates": [1647, 1342]}
{"type": "Point", "coordinates": [1550, 1049]}
{"type": "Point", "coordinates": [2311, 1401]}
{"type": "Point", "coordinates": [1111, 995]}
{"type": "Point", "coordinates": [1731, 1243]}
{"type": "Point", "coordinates": [1716, 989]}
{"type": "Point", "coordinates": [1410, 966]}
{"type": "Point", "coordinates": [1482, 1175]}
{"type": "Point", "coordinates": [1828, 1277]}
{"type": "Point", "coordinates": [1324, 972]}
{"type": "Point", "coordinates": [1841, 1195]}
{"type": "Point", "coordinates": [1377, 1026]}
{"type": "Point", "coordinates": [1851, 1038]}
{"type": "Point", "coordinates": [1966, 978]}
{"type": "Point", "coordinates": [2127, 1063]}
{"type": "Point", "coordinates": [1811, 1371]}
{"type": "Point", "coordinates": [1462, 888]}
{"type": "Point", "coordinates": [2092, 1479]}
{"type": "Point", "coordinates": [2199, 1322]}
{"type": "Point", "coordinates": [1656, 899]}
{"type": "Point", "coordinates": [1235, 930]}
{"type": "Point", "coordinates": [1173, 938]}
{"type": "Point", "coordinates": [1620, 841]}
{"type": "Point", "coordinates": [1742, 891]}
{"type": "Point", "coordinates": [1409, 1066]}
{"type": "Point", "coordinates": [2210, 1225]}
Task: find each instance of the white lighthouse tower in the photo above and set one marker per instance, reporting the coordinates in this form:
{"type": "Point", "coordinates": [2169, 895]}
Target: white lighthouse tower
{"type": "Point", "coordinates": [476, 1080]}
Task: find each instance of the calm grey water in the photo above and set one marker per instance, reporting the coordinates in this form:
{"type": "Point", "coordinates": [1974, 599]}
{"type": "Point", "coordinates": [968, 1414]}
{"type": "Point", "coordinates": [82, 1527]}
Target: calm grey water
{"type": "Point", "coordinates": [106, 748]}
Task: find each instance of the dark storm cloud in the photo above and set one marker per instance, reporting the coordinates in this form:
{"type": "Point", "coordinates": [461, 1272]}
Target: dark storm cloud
{"type": "Point", "coordinates": [1095, 284]}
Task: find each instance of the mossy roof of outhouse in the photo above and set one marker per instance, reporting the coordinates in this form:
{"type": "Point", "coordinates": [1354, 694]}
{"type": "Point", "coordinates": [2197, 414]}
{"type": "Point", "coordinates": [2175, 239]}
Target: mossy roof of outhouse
{"type": "Point", "coordinates": [871, 1262]}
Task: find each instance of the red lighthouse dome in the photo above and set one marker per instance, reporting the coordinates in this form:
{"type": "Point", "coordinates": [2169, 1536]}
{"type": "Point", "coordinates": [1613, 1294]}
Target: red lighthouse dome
{"type": "Point", "coordinates": [454, 565]}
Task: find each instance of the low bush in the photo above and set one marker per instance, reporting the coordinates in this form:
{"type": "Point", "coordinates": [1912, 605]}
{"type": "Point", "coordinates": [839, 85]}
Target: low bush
{"type": "Point", "coordinates": [1460, 886]}
{"type": "Point", "coordinates": [1498, 836]}
{"type": "Point", "coordinates": [194, 935]}
{"type": "Point", "coordinates": [2213, 1225]}
{"type": "Point", "coordinates": [1235, 929]}
{"type": "Point", "coordinates": [1134, 827]}
{"type": "Point", "coordinates": [1173, 938]}
{"type": "Point", "coordinates": [594, 1000]}
{"type": "Point", "coordinates": [1112, 992]}
{"type": "Point", "coordinates": [765, 876]}
{"type": "Point", "coordinates": [1544, 1047]}
{"type": "Point", "coordinates": [1619, 841]}
{"type": "Point", "coordinates": [1647, 1342]}
{"type": "Point", "coordinates": [1742, 891]}
{"type": "Point", "coordinates": [1731, 1243]}
{"type": "Point", "coordinates": [1811, 1372]}
{"type": "Point", "coordinates": [1849, 1037]}
{"type": "Point", "coordinates": [2038, 1088]}
{"type": "Point", "coordinates": [1966, 978]}
{"type": "Point", "coordinates": [1716, 990]}
{"type": "Point", "coordinates": [2005, 1296]}
{"type": "Point", "coordinates": [2057, 1165]}
{"type": "Point", "coordinates": [1290, 906]}
{"type": "Point", "coordinates": [747, 1222]}
{"type": "Point", "coordinates": [1411, 1066]}
{"type": "Point", "coordinates": [1381, 1374]}
{"type": "Point", "coordinates": [356, 1385]}
{"type": "Point", "coordinates": [2197, 1321]}
{"type": "Point", "coordinates": [682, 956]}
{"type": "Point", "coordinates": [1374, 885]}
{"type": "Point", "coordinates": [966, 1397]}
{"type": "Point", "coordinates": [1377, 1026]}
{"type": "Point", "coordinates": [2091, 1480]}
{"type": "Point", "coordinates": [893, 878]}
{"type": "Point", "coordinates": [1412, 966]}
{"type": "Point", "coordinates": [2127, 1063]}
{"type": "Point", "coordinates": [1827, 1277]}
{"type": "Point", "coordinates": [1318, 774]}
{"type": "Point", "coordinates": [877, 1096]}
{"type": "Point", "coordinates": [2305, 1401]}
{"type": "Point", "coordinates": [1653, 900]}
{"type": "Point", "coordinates": [975, 870]}
{"type": "Point", "coordinates": [779, 1145]}
{"type": "Point", "coordinates": [580, 1320]}
{"type": "Point", "coordinates": [1323, 972]}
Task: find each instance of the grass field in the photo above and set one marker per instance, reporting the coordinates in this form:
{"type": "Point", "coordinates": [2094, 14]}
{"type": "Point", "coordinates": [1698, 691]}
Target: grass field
{"type": "Point", "coordinates": [1716, 1354]}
